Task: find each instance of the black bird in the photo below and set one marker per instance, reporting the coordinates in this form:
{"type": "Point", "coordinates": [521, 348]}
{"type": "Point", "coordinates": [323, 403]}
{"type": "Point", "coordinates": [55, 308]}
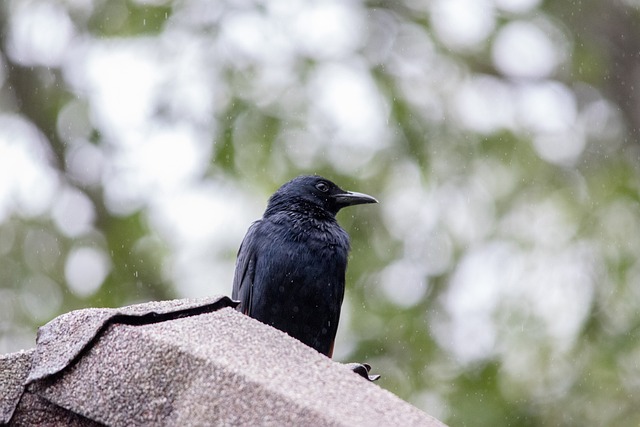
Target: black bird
{"type": "Point", "coordinates": [291, 265]}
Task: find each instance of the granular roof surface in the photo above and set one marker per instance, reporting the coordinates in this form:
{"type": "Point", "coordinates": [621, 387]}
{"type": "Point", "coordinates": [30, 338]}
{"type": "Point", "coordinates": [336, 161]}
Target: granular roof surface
{"type": "Point", "coordinates": [186, 362]}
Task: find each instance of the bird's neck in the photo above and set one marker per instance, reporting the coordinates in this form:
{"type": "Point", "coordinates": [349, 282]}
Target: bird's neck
{"type": "Point", "coordinates": [300, 209]}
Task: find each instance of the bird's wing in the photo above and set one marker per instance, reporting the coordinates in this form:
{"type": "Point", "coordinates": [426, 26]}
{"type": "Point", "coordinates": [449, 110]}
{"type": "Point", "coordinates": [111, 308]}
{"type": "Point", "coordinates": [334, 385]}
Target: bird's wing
{"type": "Point", "coordinates": [245, 271]}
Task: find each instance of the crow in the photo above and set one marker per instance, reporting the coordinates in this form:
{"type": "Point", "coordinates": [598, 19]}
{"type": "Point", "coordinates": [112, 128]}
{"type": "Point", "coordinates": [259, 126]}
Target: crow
{"type": "Point", "coordinates": [290, 270]}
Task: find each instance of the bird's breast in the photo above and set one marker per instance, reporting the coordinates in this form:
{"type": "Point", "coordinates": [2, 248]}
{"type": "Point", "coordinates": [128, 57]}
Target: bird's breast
{"type": "Point", "coordinates": [304, 245]}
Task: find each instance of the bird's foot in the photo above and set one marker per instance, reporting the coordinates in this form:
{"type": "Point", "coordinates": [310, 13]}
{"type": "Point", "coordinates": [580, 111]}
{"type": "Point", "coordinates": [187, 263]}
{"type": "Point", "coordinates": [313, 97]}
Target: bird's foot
{"type": "Point", "coordinates": [363, 370]}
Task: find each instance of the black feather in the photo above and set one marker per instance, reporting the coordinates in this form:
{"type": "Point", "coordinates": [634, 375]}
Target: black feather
{"type": "Point", "coordinates": [291, 265]}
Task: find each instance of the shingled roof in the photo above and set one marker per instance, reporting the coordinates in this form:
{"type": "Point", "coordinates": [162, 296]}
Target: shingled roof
{"type": "Point", "coordinates": [185, 362]}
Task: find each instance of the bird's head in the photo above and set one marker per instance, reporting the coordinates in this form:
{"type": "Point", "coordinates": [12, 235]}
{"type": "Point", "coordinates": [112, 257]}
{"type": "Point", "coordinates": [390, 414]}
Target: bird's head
{"type": "Point", "coordinates": [314, 193]}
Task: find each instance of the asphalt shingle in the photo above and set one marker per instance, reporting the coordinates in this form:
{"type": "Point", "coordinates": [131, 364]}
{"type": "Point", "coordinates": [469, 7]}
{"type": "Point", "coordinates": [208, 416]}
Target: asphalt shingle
{"type": "Point", "coordinates": [191, 362]}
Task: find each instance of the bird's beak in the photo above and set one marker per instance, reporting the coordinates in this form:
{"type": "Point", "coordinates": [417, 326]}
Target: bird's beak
{"type": "Point", "coordinates": [350, 198]}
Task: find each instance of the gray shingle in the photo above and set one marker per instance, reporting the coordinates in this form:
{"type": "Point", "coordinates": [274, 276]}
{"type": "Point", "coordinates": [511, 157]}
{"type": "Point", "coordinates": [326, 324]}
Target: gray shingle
{"type": "Point", "coordinates": [60, 341]}
{"type": "Point", "coordinates": [14, 369]}
{"type": "Point", "coordinates": [211, 366]}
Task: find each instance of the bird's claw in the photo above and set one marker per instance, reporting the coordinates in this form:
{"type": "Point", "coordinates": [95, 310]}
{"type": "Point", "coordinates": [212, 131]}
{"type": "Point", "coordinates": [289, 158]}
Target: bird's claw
{"type": "Point", "coordinates": [363, 370]}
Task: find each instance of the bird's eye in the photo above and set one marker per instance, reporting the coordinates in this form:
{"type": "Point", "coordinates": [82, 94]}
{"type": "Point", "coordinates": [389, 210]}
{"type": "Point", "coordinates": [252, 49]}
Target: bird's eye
{"type": "Point", "coordinates": [322, 186]}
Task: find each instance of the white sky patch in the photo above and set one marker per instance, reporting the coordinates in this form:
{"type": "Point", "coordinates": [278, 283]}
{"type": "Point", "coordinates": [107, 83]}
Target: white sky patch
{"type": "Point", "coordinates": [546, 107]}
{"type": "Point", "coordinates": [404, 283]}
{"type": "Point", "coordinates": [485, 104]}
{"type": "Point", "coordinates": [554, 288]}
{"type": "Point", "coordinates": [346, 341]}
{"type": "Point", "coordinates": [153, 162]}
{"type": "Point", "coordinates": [122, 79]}
{"type": "Point", "coordinates": [40, 33]}
{"type": "Point", "coordinates": [494, 177]}
{"type": "Point", "coordinates": [549, 110]}
{"type": "Point", "coordinates": [539, 222]}
{"type": "Point", "coordinates": [85, 162]}
{"type": "Point", "coordinates": [191, 88]}
{"type": "Point", "coordinates": [562, 148]}
{"type": "Point", "coordinates": [413, 55]}
{"type": "Point", "coordinates": [559, 288]}
{"type": "Point", "coordinates": [148, 155]}
{"type": "Point", "coordinates": [522, 49]}
{"type": "Point", "coordinates": [322, 30]}
{"type": "Point", "coordinates": [208, 211]}
{"type": "Point", "coordinates": [467, 211]}
{"type": "Point", "coordinates": [73, 212]}
{"type": "Point", "coordinates": [405, 198]}
{"type": "Point", "coordinates": [346, 99]}
{"type": "Point", "coordinates": [147, 160]}
{"type": "Point", "coordinates": [426, 244]}
{"type": "Point", "coordinates": [462, 23]}
{"type": "Point", "coordinates": [432, 249]}
{"type": "Point", "coordinates": [470, 301]}
{"type": "Point", "coordinates": [249, 37]}
{"type": "Point", "coordinates": [27, 183]}
{"type": "Point", "coordinates": [204, 225]}
{"type": "Point", "coordinates": [85, 270]}
{"type": "Point", "coordinates": [319, 22]}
